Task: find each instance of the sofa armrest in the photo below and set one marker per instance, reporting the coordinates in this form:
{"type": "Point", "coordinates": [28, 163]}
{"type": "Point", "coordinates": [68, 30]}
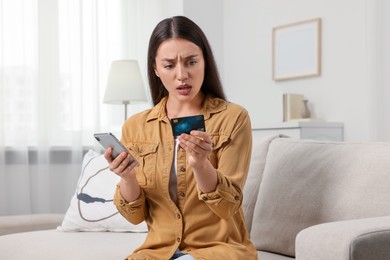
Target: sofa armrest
{"type": "Point", "coordinates": [357, 239]}
{"type": "Point", "coordinates": [25, 223]}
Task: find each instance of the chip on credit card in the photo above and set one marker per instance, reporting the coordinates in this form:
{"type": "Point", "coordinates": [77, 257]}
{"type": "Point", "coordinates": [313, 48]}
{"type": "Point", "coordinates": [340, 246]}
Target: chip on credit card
{"type": "Point", "coordinates": [187, 124]}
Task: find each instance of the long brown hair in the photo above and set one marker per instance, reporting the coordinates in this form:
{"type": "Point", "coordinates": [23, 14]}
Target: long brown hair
{"type": "Point", "coordinates": [183, 28]}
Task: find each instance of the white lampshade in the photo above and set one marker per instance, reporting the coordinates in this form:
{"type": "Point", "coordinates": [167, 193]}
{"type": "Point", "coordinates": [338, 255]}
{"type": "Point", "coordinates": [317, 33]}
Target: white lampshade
{"type": "Point", "coordinates": [124, 84]}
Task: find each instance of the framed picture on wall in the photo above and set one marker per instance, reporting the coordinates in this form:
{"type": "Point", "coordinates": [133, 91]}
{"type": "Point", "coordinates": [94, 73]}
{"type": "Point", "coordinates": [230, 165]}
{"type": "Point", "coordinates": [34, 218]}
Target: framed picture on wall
{"type": "Point", "coordinates": [296, 50]}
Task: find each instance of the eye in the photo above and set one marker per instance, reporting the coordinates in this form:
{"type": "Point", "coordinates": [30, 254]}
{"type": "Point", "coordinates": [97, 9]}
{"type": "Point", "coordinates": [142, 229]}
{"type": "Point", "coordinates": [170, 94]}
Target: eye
{"type": "Point", "coordinates": [168, 66]}
{"type": "Point", "coordinates": [192, 62]}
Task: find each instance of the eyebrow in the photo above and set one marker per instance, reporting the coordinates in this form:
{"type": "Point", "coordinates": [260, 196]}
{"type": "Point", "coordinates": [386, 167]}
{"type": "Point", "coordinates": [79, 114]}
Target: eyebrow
{"type": "Point", "coordinates": [186, 58]}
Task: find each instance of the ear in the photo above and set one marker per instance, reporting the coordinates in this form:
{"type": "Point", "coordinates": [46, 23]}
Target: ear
{"type": "Point", "coordinates": [155, 71]}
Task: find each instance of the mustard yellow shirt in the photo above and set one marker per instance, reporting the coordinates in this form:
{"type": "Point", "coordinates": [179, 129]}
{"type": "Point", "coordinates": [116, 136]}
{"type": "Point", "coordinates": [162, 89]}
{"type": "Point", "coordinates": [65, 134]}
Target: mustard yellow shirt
{"type": "Point", "coordinates": [205, 225]}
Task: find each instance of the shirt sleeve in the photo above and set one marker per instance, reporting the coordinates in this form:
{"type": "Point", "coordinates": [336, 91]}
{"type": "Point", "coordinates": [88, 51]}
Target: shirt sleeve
{"type": "Point", "coordinates": [136, 211]}
{"type": "Point", "coordinates": [232, 170]}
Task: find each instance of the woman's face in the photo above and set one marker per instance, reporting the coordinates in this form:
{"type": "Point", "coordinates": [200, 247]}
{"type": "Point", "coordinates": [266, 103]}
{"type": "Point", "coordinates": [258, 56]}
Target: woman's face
{"type": "Point", "coordinates": [180, 65]}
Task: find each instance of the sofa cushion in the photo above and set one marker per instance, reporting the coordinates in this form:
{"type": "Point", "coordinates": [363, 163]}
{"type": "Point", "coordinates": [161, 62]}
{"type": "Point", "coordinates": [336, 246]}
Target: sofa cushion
{"type": "Point", "coordinates": [91, 207]}
{"type": "Point", "coordinates": [255, 174]}
{"type": "Point", "coordinates": [311, 182]}
{"type": "Point", "coordinates": [52, 244]}
{"type": "Point", "coordinates": [262, 255]}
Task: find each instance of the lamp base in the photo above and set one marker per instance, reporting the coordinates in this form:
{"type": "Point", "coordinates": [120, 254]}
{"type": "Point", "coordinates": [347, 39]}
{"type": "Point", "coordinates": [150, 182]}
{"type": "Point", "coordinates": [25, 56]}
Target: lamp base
{"type": "Point", "coordinates": [125, 111]}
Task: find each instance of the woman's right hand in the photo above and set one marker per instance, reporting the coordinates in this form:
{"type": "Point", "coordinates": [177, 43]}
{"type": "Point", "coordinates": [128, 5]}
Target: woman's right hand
{"type": "Point", "coordinates": [121, 164]}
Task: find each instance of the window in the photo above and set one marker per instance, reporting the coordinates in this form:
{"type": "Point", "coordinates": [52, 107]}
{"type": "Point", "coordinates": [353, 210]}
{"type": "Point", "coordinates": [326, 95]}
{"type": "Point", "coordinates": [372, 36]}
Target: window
{"type": "Point", "coordinates": [54, 60]}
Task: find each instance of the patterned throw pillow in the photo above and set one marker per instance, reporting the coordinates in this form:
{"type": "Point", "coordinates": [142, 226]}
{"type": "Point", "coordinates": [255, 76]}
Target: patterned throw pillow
{"type": "Point", "coordinates": [91, 207]}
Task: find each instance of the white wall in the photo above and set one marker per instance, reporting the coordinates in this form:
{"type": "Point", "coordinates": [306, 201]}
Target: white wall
{"type": "Point", "coordinates": [353, 86]}
{"type": "Point", "coordinates": [209, 16]}
{"type": "Point", "coordinates": [384, 129]}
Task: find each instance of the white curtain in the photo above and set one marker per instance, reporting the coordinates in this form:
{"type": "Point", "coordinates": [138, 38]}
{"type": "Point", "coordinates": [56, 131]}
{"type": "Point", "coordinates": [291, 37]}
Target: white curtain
{"type": "Point", "coordinates": [54, 60]}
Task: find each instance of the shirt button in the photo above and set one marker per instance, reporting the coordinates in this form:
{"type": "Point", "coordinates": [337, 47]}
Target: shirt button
{"type": "Point", "coordinates": [178, 239]}
{"type": "Point", "coordinates": [178, 216]}
{"type": "Point", "coordinates": [204, 198]}
{"type": "Point", "coordinates": [182, 194]}
{"type": "Point", "coordinates": [237, 197]}
{"type": "Point", "coordinates": [182, 169]}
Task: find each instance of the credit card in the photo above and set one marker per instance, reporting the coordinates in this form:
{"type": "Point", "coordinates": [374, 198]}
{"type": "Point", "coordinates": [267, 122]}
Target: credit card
{"type": "Point", "coordinates": [187, 124]}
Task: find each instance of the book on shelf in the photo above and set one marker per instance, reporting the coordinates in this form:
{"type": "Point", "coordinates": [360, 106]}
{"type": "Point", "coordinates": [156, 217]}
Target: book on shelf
{"type": "Point", "coordinates": [292, 106]}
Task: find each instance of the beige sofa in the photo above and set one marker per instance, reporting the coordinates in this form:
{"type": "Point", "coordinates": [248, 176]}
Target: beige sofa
{"type": "Point", "coordinates": [309, 200]}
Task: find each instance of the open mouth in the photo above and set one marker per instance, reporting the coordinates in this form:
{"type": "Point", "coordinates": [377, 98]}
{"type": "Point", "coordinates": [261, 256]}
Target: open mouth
{"type": "Point", "coordinates": [184, 89]}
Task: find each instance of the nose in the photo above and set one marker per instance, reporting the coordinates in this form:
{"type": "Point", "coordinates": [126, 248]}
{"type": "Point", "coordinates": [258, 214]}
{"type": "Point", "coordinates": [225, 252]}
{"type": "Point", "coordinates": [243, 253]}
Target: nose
{"type": "Point", "coordinates": [182, 73]}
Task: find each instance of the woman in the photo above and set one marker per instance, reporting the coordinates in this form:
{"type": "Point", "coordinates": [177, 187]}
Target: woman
{"type": "Point", "coordinates": [187, 188]}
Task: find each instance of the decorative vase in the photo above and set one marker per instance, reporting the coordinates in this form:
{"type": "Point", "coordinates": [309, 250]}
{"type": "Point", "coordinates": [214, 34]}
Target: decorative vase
{"type": "Point", "coordinates": [305, 112]}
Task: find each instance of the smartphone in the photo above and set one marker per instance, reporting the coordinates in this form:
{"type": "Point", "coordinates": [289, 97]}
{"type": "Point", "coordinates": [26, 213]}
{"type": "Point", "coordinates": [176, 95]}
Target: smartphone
{"type": "Point", "coordinates": [109, 140]}
{"type": "Point", "coordinates": [187, 124]}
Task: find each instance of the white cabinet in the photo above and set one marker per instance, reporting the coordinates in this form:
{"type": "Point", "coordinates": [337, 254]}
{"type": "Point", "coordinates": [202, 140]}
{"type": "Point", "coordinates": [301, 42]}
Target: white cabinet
{"type": "Point", "coordinates": [318, 130]}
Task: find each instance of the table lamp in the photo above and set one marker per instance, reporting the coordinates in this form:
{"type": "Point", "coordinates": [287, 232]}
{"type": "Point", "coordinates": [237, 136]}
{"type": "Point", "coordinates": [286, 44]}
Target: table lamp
{"type": "Point", "coordinates": [124, 84]}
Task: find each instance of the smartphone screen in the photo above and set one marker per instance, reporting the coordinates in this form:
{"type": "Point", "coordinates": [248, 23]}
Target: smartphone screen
{"type": "Point", "coordinates": [109, 140]}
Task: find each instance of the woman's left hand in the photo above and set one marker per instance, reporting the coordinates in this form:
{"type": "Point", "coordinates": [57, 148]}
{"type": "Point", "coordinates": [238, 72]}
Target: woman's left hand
{"type": "Point", "coordinates": [198, 146]}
